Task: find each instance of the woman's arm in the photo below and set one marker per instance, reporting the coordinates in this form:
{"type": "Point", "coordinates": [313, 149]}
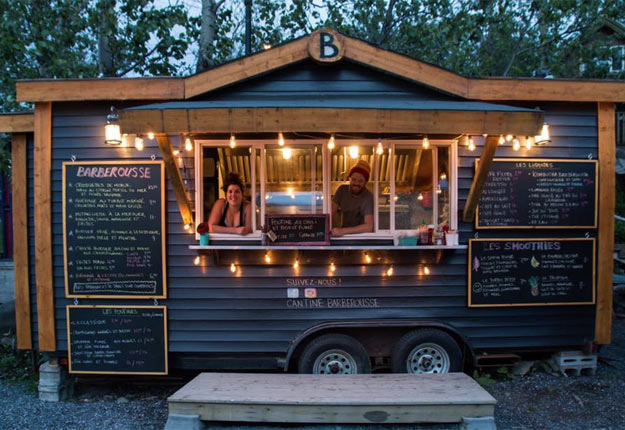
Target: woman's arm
{"type": "Point", "coordinates": [247, 228]}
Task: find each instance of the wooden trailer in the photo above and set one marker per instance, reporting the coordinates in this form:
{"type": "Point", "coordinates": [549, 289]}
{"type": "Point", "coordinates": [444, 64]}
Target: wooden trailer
{"type": "Point", "coordinates": [111, 276]}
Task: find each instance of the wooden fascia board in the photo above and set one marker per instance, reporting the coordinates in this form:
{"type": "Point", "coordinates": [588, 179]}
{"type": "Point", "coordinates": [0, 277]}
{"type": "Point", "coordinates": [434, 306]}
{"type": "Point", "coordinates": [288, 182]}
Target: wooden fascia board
{"type": "Point", "coordinates": [245, 68]}
{"type": "Point", "coordinates": [176, 179]}
{"type": "Point", "coordinates": [19, 186]}
{"type": "Point", "coordinates": [546, 90]}
{"type": "Point", "coordinates": [607, 185]}
{"type": "Point", "coordinates": [486, 159]}
{"type": "Point", "coordinates": [43, 226]}
{"type": "Point", "coordinates": [17, 123]}
{"type": "Point", "coordinates": [101, 89]}
{"type": "Point", "coordinates": [258, 120]}
{"type": "Point", "coordinates": [406, 67]}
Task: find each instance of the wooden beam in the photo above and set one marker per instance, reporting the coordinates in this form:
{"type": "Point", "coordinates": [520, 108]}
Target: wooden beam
{"type": "Point", "coordinates": [17, 122]}
{"type": "Point", "coordinates": [488, 153]}
{"type": "Point", "coordinates": [19, 185]}
{"type": "Point", "coordinates": [406, 67]}
{"type": "Point", "coordinates": [176, 179]}
{"type": "Point", "coordinates": [566, 90]}
{"type": "Point", "coordinates": [101, 89]}
{"type": "Point", "coordinates": [607, 185]}
{"type": "Point", "coordinates": [246, 67]}
{"type": "Point", "coordinates": [257, 120]}
{"type": "Point", "coordinates": [43, 226]}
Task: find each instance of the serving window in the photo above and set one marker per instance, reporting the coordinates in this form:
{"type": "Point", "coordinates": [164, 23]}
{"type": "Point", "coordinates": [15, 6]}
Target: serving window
{"type": "Point", "coordinates": [411, 185]}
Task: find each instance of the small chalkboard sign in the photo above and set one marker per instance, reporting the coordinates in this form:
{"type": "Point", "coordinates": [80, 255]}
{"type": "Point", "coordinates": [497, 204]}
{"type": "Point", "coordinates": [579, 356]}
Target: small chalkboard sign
{"type": "Point", "coordinates": [305, 229]}
{"type": "Point", "coordinates": [114, 229]}
{"type": "Point", "coordinates": [539, 193]}
{"type": "Point", "coordinates": [117, 339]}
{"type": "Point", "coordinates": [531, 272]}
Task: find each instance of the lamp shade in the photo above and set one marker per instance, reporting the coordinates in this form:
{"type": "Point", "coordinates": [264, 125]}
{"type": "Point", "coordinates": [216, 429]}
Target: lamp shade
{"type": "Point", "coordinates": [112, 131]}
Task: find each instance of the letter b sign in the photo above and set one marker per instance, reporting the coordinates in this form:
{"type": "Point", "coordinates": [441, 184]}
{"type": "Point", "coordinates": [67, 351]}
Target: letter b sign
{"type": "Point", "coordinates": [326, 46]}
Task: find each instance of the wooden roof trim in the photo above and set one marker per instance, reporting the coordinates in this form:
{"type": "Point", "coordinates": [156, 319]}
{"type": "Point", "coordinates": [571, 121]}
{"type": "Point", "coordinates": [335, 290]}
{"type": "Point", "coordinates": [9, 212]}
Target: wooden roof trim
{"type": "Point", "coordinates": [100, 89]}
{"type": "Point", "coordinates": [17, 122]}
{"type": "Point", "coordinates": [246, 67]}
{"type": "Point", "coordinates": [487, 89]}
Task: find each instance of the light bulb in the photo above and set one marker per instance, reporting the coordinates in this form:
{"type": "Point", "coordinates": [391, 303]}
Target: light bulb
{"type": "Point", "coordinates": [196, 261]}
{"type": "Point", "coordinates": [267, 258]}
{"type": "Point", "coordinates": [379, 149]}
{"type": "Point", "coordinates": [502, 140]}
{"type": "Point", "coordinates": [233, 141]}
{"type": "Point", "coordinates": [367, 258]}
{"type": "Point", "coordinates": [390, 271]}
{"type": "Point", "coordinates": [233, 267]}
{"type": "Point", "coordinates": [151, 136]}
{"type": "Point", "coordinates": [443, 176]}
{"type": "Point", "coordinates": [426, 142]}
{"type": "Point", "coordinates": [420, 196]}
{"type": "Point", "coordinates": [509, 137]}
{"type": "Point", "coordinates": [544, 137]}
{"type": "Point", "coordinates": [124, 140]}
{"type": "Point", "coordinates": [280, 139]}
{"type": "Point", "coordinates": [331, 142]}
{"type": "Point", "coordinates": [332, 267]}
{"type": "Point", "coordinates": [353, 152]}
{"type": "Point", "coordinates": [471, 145]}
{"type": "Point", "coordinates": [139, 143]}
{"type": "Point", "coordinates": [188, 145]}
{"type": "Point", "coordinates": [438, 189]}
{"type": "Point", "coordinates": [286, 153]}
{"type": "Point", "coordinates": [426, 270]}
{"type": "Point", "coordinates": [516, 145]}
{"type": "Point", "coordinates": [528, 142]}
{"type": "Point", "coordinates": [176, 152]}
{"type": "Point", "coordinates": [187, 226]}
{"type": "Point", "coordinates": [266, 46]}
{"type": "Point", "coordinates": [296, 264]}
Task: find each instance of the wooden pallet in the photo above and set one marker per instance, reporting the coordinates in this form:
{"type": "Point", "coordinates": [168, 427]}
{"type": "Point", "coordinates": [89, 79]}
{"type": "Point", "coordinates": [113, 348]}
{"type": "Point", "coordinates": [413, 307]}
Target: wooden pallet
{"type": "Point", "coordinates": [289, 398]}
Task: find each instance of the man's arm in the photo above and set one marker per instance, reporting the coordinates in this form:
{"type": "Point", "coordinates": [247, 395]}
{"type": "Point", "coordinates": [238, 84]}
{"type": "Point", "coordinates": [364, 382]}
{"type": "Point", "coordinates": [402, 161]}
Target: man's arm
{"type": "Point", "coordinates": [367, 227]}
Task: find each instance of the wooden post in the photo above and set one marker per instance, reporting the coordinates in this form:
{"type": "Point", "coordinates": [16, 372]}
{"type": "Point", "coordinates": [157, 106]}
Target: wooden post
{"type": "Point", "coordinates": [19, 186]}
{"type": "Point", "coordinates": [176, 179]}
{"type": "Point", "coordinates": [43, 226]}
{"type": "Point", "coordinates": [488, 153]}
{"type": "Point", "coordinates": [607, 187]}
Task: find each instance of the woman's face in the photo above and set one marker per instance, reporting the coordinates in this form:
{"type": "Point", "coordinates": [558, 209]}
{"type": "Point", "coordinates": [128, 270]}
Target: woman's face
{"type": "Point", "coordinates": [234, 195]}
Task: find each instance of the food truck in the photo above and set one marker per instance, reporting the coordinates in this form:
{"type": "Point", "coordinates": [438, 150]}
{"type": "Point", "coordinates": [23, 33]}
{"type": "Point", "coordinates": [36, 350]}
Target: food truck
{"type": "Point", "coordinates": [492, 201]}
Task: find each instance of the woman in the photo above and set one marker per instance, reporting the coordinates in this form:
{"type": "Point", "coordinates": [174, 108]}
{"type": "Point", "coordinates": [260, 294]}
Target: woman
{"type": "Point", "coordinates": [231, 215]}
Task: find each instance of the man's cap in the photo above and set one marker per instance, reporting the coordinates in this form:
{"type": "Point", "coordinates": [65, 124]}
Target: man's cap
{"type": "Point", "coordinates": [361, 167]}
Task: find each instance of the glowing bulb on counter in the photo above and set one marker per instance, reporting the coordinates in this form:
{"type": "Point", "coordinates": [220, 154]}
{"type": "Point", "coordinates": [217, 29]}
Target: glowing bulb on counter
{"type": "Point", "coordinates": [516, 145]}
{"type": "Point", "coordinates": [502, 139]}
{"type": "Point", "coordinates": [280, 139]}
{"type": "Point", "coordinates": [509, 137]}
{"type": "Point", "coordinates": [233, 141]}
{"type": "Point", "coordinates": [426, 142]}
{"type": "Point", "coordinates": [331, 142]}
{"type": "Point", "coordinates": [379, 149]}
{"type": "Point", "coordinates": [528, 142]}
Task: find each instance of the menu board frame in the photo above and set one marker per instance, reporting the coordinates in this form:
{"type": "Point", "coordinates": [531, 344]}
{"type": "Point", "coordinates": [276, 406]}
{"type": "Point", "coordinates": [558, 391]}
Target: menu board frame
{"type": "Point", "coordinates": [534, 239]}
{"type": "Point", "coordinates": [163, 230]}
{"type": "Point", "coordinates": [545, 160]}
{"type": "Point", "coordinates": [69, 340]}
{"type": "Point", "coordinates": [326, 239]}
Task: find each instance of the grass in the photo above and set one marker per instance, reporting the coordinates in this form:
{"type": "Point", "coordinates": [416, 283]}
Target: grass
{"type": "Point", "coordinates": [16, 367]}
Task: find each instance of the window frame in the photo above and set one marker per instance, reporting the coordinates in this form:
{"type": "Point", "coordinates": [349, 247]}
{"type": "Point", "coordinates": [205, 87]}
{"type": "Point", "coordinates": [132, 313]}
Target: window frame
{"type": "Point", "coordinates": [620, 51]}
{"type": "Point", "coordinates": [388, 145]}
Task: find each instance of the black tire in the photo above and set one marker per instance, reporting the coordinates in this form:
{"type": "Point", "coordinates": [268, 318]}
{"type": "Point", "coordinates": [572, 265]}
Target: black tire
{"type": "Point", "coordinates": [334, 354]}
{"type": "Point", "coordinates": [429, 351]}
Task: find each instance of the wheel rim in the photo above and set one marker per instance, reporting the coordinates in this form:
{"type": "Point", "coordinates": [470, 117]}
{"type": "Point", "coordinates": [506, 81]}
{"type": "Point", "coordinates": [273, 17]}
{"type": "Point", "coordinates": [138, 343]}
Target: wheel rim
{"type": "Point", "coordinates": [428, 358]}
{"type": "Point", "coordinates": [335, 362]}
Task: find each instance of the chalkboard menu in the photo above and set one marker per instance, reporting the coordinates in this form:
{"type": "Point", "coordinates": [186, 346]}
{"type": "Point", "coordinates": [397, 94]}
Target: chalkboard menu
{"type": "Point", "coordinates": [308, 229]}
{"type": "Point", "coordinates": [114, 229]}
{"type": "Point", "coordinates": [536, 193]}
{"type": "Point", "coordinates": [525, 272]}
{"type": "Point", "coordinates": [117, 339]}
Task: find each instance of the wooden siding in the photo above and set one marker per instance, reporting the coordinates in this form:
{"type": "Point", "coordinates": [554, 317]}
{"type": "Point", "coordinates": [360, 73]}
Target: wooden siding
{"type": "Point", "coordinates": [210, 310]}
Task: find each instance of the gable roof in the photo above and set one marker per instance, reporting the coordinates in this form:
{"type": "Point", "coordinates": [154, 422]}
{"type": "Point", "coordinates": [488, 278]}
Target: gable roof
{"type": "Point", "coordinates": [486, 89]}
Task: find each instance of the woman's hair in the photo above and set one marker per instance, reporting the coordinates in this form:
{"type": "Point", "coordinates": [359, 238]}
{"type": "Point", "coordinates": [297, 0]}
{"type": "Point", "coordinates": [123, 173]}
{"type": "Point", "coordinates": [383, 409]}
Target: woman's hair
{"type": "Point", "coordinates": [233, 179]}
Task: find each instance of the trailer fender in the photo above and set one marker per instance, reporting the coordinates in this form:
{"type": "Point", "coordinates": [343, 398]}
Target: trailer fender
{"type": "Point", "coordinates": [306, 334]}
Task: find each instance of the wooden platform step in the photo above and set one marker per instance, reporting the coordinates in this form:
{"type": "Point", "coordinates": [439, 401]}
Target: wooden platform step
{"type": "Point", "coordinates": [344, 399]}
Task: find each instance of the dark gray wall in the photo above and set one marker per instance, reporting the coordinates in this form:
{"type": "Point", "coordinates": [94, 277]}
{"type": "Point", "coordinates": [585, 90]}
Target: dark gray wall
{"type": "Point", "coordinates": [212, 311]}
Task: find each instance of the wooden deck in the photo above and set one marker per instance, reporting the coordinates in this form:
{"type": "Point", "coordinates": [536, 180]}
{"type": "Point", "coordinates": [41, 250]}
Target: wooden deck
{"type": "Point", "coordinates": [289, 398]}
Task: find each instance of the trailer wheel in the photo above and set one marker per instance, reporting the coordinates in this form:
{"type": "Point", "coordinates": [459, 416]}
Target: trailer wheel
{"type": "Point", "coordinates": [334, 354]}
{"type": "Point", "coordinates": [426, 351]}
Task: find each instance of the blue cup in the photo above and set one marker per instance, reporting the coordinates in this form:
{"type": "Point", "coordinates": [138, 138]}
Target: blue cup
{"type": "Point", "coordinates": [204, 239]}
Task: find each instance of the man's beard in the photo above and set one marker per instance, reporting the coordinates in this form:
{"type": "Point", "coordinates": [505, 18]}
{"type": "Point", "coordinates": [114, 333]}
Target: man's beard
{"type": "Point", "coordinates": [355, 189]}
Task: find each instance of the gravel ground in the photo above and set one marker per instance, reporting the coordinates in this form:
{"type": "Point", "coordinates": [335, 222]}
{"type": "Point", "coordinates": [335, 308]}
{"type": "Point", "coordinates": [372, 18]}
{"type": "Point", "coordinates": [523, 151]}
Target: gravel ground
{"type": "Point", "coordinates": [536, 401]}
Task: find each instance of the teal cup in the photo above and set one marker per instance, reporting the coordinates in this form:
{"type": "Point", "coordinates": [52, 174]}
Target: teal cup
{"type": "Point", "coordinates": [204, 239]}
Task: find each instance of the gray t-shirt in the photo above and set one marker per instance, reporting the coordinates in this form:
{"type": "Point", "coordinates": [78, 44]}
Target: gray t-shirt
{"type": "Point", "coordinates": [352, 209]}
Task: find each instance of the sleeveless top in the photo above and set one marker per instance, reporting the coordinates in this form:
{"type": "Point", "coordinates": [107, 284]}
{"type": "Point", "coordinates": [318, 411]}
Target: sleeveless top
{"type": "Point", "coordinates": [222, 221]}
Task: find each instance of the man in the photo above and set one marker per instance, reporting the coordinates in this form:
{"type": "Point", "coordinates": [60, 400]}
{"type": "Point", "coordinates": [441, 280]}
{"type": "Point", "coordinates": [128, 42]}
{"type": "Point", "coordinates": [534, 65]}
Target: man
{"type": "Point", "coordinates": [352, 205]}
